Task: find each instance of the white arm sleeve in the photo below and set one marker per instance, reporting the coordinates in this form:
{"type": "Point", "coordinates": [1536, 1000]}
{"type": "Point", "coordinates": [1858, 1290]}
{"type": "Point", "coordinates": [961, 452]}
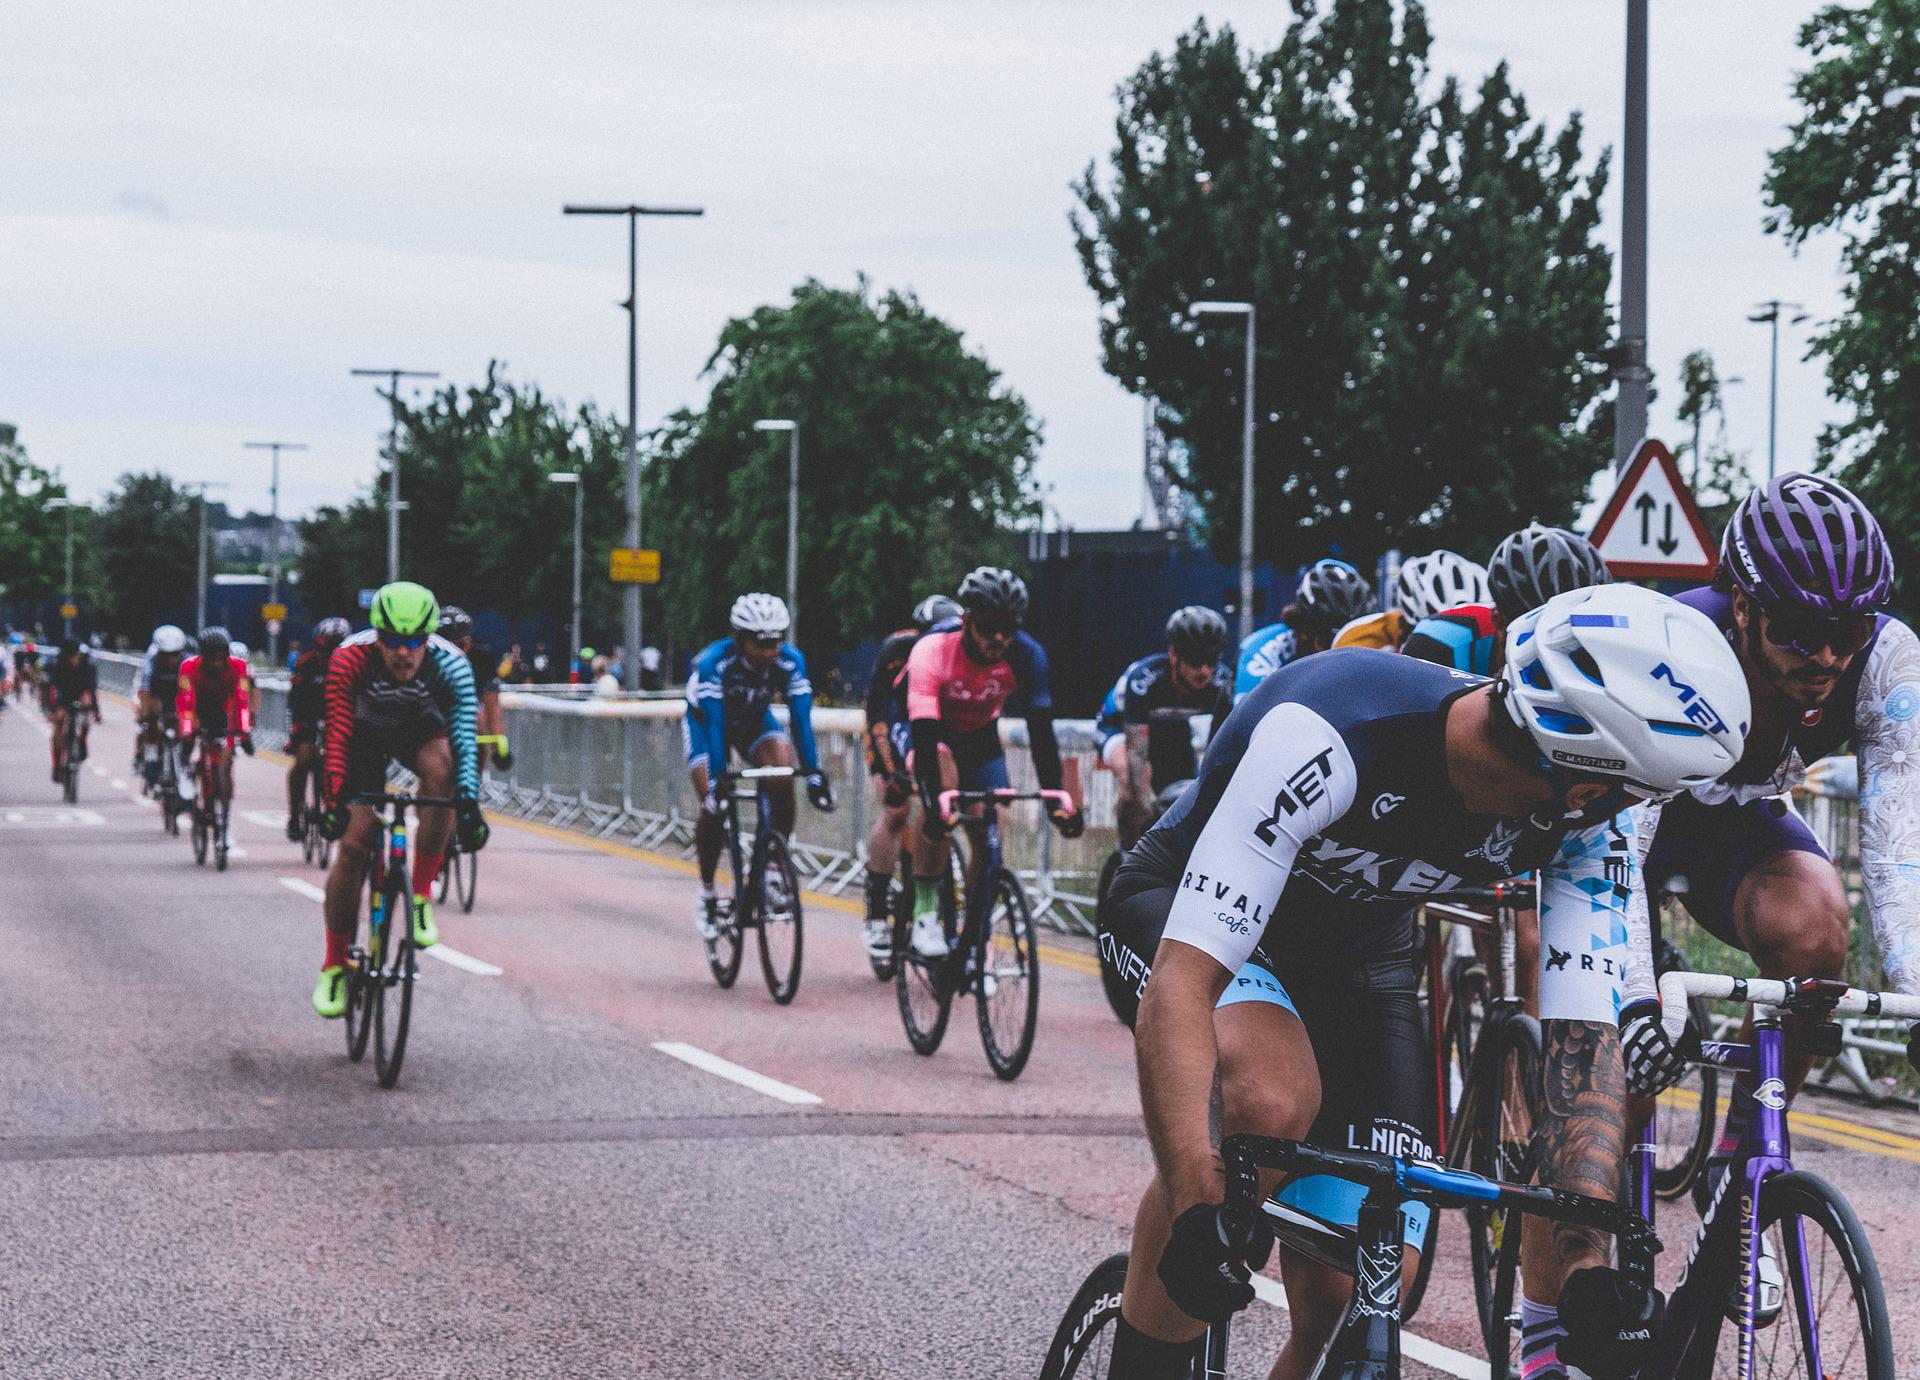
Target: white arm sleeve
{"type": "Point", "coordinates": [1297, 778]}
{"type": "Point", "coordinates": [1641, 979]}
{"type": "Point", "coordinates": [1585, 947]}
{"type": "Point", "coordinates": [1887, 738]}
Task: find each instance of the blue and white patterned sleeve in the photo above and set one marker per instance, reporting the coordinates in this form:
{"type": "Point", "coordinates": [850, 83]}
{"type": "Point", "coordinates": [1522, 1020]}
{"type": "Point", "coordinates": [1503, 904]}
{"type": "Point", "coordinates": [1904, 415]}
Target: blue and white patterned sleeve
{"type": "Point", "coordinates": [1586, 948]}
{"type": "Point", "coordinates": [800, 708]}
{"type": "Point", "coordinates": [707, 710]}
{"type": "Point", "coordinates": [1887, 740]}
{"type": "Point", "coordinates": [461, 706]}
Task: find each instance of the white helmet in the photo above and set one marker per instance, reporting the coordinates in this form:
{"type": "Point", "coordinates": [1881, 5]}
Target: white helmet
{"type": "Point", "coordinates": [1439, 580]}
{"type": "Point", "coordinates": [237, 649]}
{"type": "Point", "coordinates": [1619, 681]}
{"type": "Point", "coordinates": [762, 615]}
{"type": "Point", "coordinates": [168, 638]}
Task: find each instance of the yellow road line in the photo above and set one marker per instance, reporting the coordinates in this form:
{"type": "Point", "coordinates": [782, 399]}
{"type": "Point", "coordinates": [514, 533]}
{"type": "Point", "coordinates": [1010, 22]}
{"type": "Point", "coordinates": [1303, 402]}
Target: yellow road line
{"type": "Point", "coordinates": [1831, 1130]}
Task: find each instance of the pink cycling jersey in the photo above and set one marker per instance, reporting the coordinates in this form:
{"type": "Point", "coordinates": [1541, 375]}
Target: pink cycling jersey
{"type": "Point", "coordinates": [944, 683]}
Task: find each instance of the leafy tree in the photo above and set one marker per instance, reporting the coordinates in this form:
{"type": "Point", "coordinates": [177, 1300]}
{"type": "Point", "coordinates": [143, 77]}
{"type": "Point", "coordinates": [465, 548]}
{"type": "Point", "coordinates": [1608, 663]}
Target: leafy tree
{"type": "Point", "coordinates": [1431, 296]}
{"type": "Point", "coordinates": [1851, 165]}
{"type": "Point", "coordinates": [149, 530]}
{"type": "Point", "coordinates": [915, 462]}
{"type": "Point", "coordinates": [33, 536]}
{"type": "Point", "coordinates": [1717, 474]}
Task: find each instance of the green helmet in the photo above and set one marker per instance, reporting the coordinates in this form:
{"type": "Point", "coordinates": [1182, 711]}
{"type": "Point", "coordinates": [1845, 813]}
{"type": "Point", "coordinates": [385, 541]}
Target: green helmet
{"type": "Point", "coordinates": [405, 608]}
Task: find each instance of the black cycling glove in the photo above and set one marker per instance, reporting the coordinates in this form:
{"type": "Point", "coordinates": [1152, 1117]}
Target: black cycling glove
{"type": "Point", "coordinates": [471, 825]}
{"type": "Point", "coordinates": [1610, 1324]}
{"type": "Point", "coordinates": [819, 792]}
{"type": "Point", "coordinates": [1209, 1260]}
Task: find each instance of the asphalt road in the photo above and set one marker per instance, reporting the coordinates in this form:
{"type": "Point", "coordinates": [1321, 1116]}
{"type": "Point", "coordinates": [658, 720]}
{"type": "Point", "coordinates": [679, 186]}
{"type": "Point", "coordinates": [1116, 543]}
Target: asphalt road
{"type": "Point", "coordinates": [195, 1181]}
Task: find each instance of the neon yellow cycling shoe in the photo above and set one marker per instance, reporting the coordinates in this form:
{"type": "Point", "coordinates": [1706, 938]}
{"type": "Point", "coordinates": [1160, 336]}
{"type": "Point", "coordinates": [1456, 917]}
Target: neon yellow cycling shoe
{"type": "Point", "coordinates": [330, 993]}
{"type": "Point", "coordinates": [425, 933]}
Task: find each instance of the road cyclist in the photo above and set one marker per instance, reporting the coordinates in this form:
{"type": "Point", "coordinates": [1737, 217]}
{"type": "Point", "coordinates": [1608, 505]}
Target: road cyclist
{"type": "Point", "coordinates": [1332, 594]}
{"type": "Point", "coordinates": [73, 702]}
{"type": "Point", "coordinates": [456, 625]}
{"type": "Point", "coordinates": [1151, 705]}
{"type": "Point", "coordinates": [306, 707]}
{"type": "Point", "coordinates": [1425, 585]}
{"type": "Point", "coordinates": [156, 685]}
{"type": "Point", "coordinates": [214, 708]}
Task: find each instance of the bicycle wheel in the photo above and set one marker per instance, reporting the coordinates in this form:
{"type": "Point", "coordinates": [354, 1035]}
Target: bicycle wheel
{"type": "Point", "coordinates": [1120, 997]}
{"type": "Point", "coordinates": [780, 922]}
{"type": "Point", "coordinates": [70, 783]}
{"type": "Point", "coordinates": [921, 986]}
{"type": "Point", "coordinates": [1082, 1346]}
{"type": "Point", "coordinates": [1466, 1018]}
{"type": "Point", "coordinates": [466, 878]}
{"type": "Point", "coordinates": [1501, 1146]}
{"type": "Point", "coordinates": [883, 967]}
{"type": "Point", "coordinates": [1008, 989]}
{"type": "Point", "coordinates": [220, 837]}
{"type": "Point", "coordinates": [201, 835]}
{"type": "Point", "coordinates": [444, 883]}
{"type": "Point", "coordinates": [393, 989]}
{"type": "Point", "coordinates": [363, 972]}
{"type": "Point", "coordinates": [1690, 1110]}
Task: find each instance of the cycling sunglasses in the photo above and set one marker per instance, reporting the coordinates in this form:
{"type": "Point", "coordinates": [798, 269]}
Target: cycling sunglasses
{"type": "Point", "coordinates": [995, 624]}
{"type": "Point", "coordinates": [1806, 633]}
{"type": "Point", "coordinates": [400, 641]}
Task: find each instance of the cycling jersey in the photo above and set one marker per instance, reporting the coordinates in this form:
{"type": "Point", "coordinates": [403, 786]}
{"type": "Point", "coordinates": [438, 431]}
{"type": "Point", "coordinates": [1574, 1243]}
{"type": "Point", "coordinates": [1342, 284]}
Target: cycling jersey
{"type": "Point", "coordinates": [307, 691]}
{"type": "Point", "coordinates": [1108, 725]}
{"type": "Point", "coordinates": [1385, 631]}
{"type": "Point", "coordinates": [1155, 701]}
{"type": "Point", "coordinates": [159, 676]}
{"type": "Point", "coordinates": [396, 718]}
{"type": "Point", "coordinates": [1264, 651]}
{"type": "Point", "coordinates": [70, 684]}
{"type": "Point", "coordinates": [1462, 638]}
{"type": "Point", "coordinates": [944, 682]}
{"type": "Point", "coordinates": [730, 704]}
{"type": "Point", "coordinates": [216, 704]}
{"type": "Point", "coordinates": [485, 664]}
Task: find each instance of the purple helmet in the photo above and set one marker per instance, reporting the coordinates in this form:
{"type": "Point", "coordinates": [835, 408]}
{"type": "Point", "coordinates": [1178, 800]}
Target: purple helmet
{"type": "Point", "coordinates": [1807, 542]}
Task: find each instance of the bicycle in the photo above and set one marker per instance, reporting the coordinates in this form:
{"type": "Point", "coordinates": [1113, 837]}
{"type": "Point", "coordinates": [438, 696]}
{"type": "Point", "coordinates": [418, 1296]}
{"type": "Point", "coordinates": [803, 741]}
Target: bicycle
{"type": "Point", "coordinates": [1686, 1132]}
{"type": "Point", "coordinates": [315, 846]}
{"type": "Point", "coordinates": [766, 890]}
{"type": "Point", "coordinates": [1763, 1207]}
{"type": "Point", "coordinates": [209, 826]}
{"type": "Point", "coordinates": [72, 753]}
{"type": "Point", "coordinates": [381, 975]}
{"type": "Point", "coordinates": [460, 874]}
{"type": "Point", "coordinates": [1367, 1344]}
{"type": "Point", "coordinates": [166, 774]}
{"type": "Point", "coordinates": [991, 948]}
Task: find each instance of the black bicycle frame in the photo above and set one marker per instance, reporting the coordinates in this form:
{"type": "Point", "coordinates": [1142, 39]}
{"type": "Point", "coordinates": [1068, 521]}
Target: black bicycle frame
{"type": "Point", "coordinates": [749, 875]}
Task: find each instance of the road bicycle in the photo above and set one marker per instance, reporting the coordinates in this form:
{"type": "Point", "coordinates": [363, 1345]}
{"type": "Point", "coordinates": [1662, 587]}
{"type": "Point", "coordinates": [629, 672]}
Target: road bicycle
{"type": "Point", "coordinates": [208, 826]}
{"type": "Point", "coordinates": [166, 776]}
{"type": "Point", "coordinates": [381, 974]}
{"type": "Point", "coordinates": [460, 876]}
{"type": "Point", "coordinates": [73, 751]}
{"type": "Point", "coordinates": [992, 951]}
{"type": "Point", "coordinates": [1366, 1345]}
{"type": "Point", "coordinates": [766, 889]}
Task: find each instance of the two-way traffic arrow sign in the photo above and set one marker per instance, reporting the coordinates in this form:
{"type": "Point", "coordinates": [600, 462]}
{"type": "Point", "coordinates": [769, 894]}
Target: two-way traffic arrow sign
{"type": "Point", "coordinates": [1651, 528]}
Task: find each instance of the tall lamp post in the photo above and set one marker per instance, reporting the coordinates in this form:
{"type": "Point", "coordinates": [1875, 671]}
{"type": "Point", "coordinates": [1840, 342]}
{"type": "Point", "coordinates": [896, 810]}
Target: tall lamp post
{"type": "Point", "coordinates": [1768, 313]}
{"type": "Point", "coordinates": [273, 536]}
{"type": "Point", "coordinates": [579, 497]}
{"type": "Point", "coordinates": [1246, 309]}
{"type": "Point", "coordinates": [792, 428]}
{"type": "Point", "coordinates": [66, 600]}
{"type": "Point", "coordinates": [392, 395]}
{"type": "Point", "coordinates": [630, 663]}
{"type": "Point", "coordinates": [200, 548]}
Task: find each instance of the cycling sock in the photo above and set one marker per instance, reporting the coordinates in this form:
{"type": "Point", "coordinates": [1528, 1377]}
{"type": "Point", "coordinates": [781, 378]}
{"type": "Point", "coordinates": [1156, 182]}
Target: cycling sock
{"type": "Point", "coordinates": [337, 950]}
{"type": "Point", "coordinates": [1136, 1356]}
{"type": "Point", "coordinates": [426, 871]}
{"type": "Point", "coordinates": [877, 884]}
{"type": "Point", "coordinates": [1540, 1334]}
{"type": "Point", "coordinates": [926, 896]}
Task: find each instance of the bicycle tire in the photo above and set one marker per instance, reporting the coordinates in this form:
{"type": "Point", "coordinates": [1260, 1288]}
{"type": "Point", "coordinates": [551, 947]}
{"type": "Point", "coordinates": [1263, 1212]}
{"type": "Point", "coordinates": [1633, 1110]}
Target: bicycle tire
{"type": "Point", "coordinates": [1082, 1345]}
{"type": "Point", "coordinates": [200, 837]}
{"type": "Point", "coordinates": [70, 785]}
{"type": "Point", "coordinates": [1674, 1177]}
{"type": "Point", "coordinates": [782, 932]}
{"type": "Point", "coordinates": [1500, 1149]}
{"type": "Point", "coordinates": [1007, 994]}
{"type": "Point", "coordinates": [220, 840]}
{"type": "Point", "coordinates": [1468, 1002]}
{"type": "Point", "coordinates": [466, 878]}
{"type": "Point", "coordinates": [443, 884]}
{"type": "Point", "coordinates": [921, 988]}
{"type": "Point", "coordinates": [394, 988]}
{"type": "Point", "coordinates": [883, 968]}
{"type": "Point", "coordinates": [1120, 997]}
{"type": "Point", "coordinates": [363, 974]}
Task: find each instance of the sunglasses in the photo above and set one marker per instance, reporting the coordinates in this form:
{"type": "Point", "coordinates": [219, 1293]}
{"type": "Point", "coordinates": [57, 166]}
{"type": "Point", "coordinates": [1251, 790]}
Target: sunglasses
{"type": "Point", "coordinates": [990, 625]}
{"type": "Point", "coordinates": [399, 642]}
{"type": "Point", "coordinates": [1806, 633]}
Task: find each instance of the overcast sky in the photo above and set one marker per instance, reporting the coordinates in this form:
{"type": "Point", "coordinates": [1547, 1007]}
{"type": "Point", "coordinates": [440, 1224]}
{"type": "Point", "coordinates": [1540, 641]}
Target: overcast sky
{"type": "Point", "coordinates": [209, 213]}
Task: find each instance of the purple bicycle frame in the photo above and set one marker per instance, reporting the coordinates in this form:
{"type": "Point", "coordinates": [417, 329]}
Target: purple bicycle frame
{"type": "Point", "coordinates": [1694, 1313]}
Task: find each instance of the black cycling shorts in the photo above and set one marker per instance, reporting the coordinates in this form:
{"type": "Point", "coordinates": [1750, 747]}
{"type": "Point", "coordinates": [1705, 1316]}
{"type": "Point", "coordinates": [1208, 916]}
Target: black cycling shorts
{"type": "Point", "coordinates": [1714, 847]}
{"type": "Point", "coordinates": [389, 730]}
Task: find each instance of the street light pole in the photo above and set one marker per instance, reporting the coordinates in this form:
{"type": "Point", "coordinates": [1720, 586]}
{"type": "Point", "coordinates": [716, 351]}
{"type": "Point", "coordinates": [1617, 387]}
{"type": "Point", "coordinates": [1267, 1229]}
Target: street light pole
{"type": "Point", "coordinates": [630, 662]}
{"type": "Point", "coordinates": [579, 499]}
{"type": "Point", "coordinates": [66, 600]}
{"type": "Point", "coordinates": [392, 395]}
{"type": "Point", "coordinates": [1768, 313]}
{"type": "Point", "coordinates": [1197, 310]}
{"type": "Point", "coordinates": [200, 549]}
{"type": "Point", "coordinates": [1630, 367]}
{"type": "Point", "coordinates": [273, 536]}
{"type": "Point", "coordinates": [792, 428]}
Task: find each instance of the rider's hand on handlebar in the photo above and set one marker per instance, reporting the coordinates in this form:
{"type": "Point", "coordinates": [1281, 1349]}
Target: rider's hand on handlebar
{"type": "Point", "coordinates": [1070, 822]}
{"type": "Point", "coordinates": [819, 792]}
{"type": "Point", "coordinates": [1610, 1323]}
{"type": "Point", "coordinates": [1210, 1258]}
{"type": "Point", "coordinates": [246, 743]}
{"type": "Point", "coordinates": [333, 823]}
{"type": "Point", "coordinates": [1654, 1062]}
{"type": "Point", "coordinates": [470, 825]}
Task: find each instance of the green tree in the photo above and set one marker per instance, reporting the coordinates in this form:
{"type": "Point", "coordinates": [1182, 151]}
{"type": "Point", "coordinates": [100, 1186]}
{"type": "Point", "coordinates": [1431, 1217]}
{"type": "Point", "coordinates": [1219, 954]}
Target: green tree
{"type": "Point", "coordinates": [1851, 165]}
{"type": "Point", "coordinates": [1716, 473]}
{"type": "Point", "coordinates": [33, 537]}
{"type": "Point", "coordinates": [148, 533]}
{"type": "Point", "coordinates": [915, 464]}
{"type": "Point", "coordinates": [1431, 294]}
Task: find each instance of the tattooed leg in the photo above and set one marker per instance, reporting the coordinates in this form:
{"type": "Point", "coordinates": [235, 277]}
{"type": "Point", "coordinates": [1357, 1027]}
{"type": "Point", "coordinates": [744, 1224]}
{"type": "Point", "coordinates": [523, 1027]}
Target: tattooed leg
{"type": "Point", "coordinates": [1582, 1138]}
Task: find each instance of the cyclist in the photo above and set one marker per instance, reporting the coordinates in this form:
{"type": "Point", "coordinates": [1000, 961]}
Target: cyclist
{"type": "Point", "coordinates": [155, 686]}
{"type": "Point", "coordinates": [395, 693]}
{"type": "Point", "coordinates": [72, 687]}
{"type": "Point", "coordinates": [958, 678]}
{"type": "Point", "coordinates": [1332, 594]}
{"type": "Point", "coordinates": [1264, 923]}
{"type": "Point", "coordinates": [730, 694]}
{"type": "Point", "coordinates": [214, 705]}
{"type": "Point", "coordinates": [456, 625]}
{"type": "Point", "coordinates": [887, 766]}
{"type": "Point", "coordinates": [306, 706]}
{"type": "Point", "coordinates": [1528, 568]}
{"type": "Point", "coordinates": [1158, 695]}
{"type": "Point", "coordinates": [1426, 584]}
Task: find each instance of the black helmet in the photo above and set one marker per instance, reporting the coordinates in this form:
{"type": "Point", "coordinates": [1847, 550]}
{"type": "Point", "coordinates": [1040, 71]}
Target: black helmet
{"type": "Point", "coordinates": [990, 589]}
{"type": "Point", "coordinates": [1196, 633]}
{"type": "Point", "coordinates": [932, 609]}
{"type": "Point", "coordinates": [215, 644]}
{"type": "Point", "coordinates": [455, 623]}
{"type": "Point", "coordinates": [1336, 592]}
{"type": "Point", "coordinates": [1534, 564]}
{"type": "Point", "coordinates": [69, 646]}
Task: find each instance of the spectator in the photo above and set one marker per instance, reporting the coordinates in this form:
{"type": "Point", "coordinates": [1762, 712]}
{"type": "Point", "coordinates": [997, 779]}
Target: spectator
{"type": "Point", "coordinates": [605, 682]}
{"type": "Point", "coordinates": [542, 665]}
{"type": "Point", "coordinates": [650, 668]}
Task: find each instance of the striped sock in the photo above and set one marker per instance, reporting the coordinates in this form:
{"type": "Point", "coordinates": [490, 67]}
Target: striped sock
{"type": "Point", "coordinates": [1540, 1334]}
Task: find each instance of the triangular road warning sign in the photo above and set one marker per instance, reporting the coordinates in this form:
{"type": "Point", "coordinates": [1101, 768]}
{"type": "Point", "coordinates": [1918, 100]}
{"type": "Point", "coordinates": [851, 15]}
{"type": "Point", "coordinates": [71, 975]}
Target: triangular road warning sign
{"type": "Point", "coordinates": [1651, 528]}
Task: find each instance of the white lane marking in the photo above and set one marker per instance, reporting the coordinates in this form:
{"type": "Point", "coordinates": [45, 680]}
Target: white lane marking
{"type": "Point", "coordinates": [99, 771]}
{"type": "Point", "coordinates": [234, 850]}
{"type": "Point", "coordinates": [726, 1068]}
{"type": "Point", "coordinates": [119, 783]}
{"type": "Point", "coordinates": [300, 886]}
{"type": "Point", "coordinates": [266, 819]}
{"type": "Point", "coordinates": [48, 816]}
{"type": "Point", "coordinates": [466, 963]}
{"type": "Point", "coordinates": [1428, 1353]}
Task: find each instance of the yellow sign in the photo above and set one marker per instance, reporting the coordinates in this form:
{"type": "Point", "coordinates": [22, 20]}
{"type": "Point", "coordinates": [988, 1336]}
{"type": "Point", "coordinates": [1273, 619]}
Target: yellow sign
{"type": "Point", "coordinates": [274, 613]}
{"type": "Point", "coordinates": [69, 610]}
{"type": "Point", "coordinates": [631, 565]}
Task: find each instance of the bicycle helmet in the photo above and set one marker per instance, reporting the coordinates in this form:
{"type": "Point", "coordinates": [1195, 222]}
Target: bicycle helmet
{"type": "Point", "coordinates": [69, 646]}
{"type": "Point", "coordinates": [1438, 580]}
{"type": "Point", "coordinates": [169, 639]}
{"type": "Point", "coordinates": [1622, 682]}
{"type": "Point", "coordinates": [1532, 565]}
{"type": "Point", "coordinates": [406, 609]}
{"type": "Point", "coordinates": [215, 645]}
{"type": "Point", "coordinates": [1196, 633]}
{"type": "Point", "coordinates": [989, 589]}
{"type": "Point", "coordinates": [933, 609]}
{"type": "Point", "coordinates": [1336, 591]}
{"type": "Point", "coordinates": [1807, 542]}
{"type": "Point", "coordinates": [331, 631]}
{"type": "Point", "coordinates": [760, 615]}
{"type": "Point", "coordinates": [239, 649]}
{"type": "Point", "coordinates": [455, 623]}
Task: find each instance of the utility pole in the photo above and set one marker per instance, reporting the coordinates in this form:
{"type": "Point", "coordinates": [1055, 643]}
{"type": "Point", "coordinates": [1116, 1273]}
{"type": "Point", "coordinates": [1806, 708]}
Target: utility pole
{"type": "Point", "coordinates": [579, 481]}
{"type": "Point", "coordinates": [1768, 313]}
{"type": "Point", "coordinates": [1246, 309]}
{"type": "Point", "coordinates": [392, 395]}
{"type": "Point", "coordinates": [1630, 354]}
{"type": "Point", "coordinates": [200, 588]}
{"type": "Point", "coordinates": [273, 536]}
{"type": "Point", "coordinates": [792, 428]}
{"type": "Point", "coordinates": [66, 599]}
{"type": "Point", "coordinates": [630, 662]}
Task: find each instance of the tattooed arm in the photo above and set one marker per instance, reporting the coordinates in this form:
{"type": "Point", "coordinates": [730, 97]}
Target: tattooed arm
{"type": "Point", "coordinates": [1138, 791]}
{"type": "Point", "coordinates": [1887, 737]}
{"type": "Point", "coordinates": [1582, 1135]}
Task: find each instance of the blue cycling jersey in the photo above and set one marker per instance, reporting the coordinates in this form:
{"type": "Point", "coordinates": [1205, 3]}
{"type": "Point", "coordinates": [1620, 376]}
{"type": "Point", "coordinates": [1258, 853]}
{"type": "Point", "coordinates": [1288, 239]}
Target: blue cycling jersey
{"type": "Point", "coordinates": [1265, 651]}
{"type": "Point", "coordinates": [1108, 725]}
{"type": "Point", "coordinates": [729, 703]}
